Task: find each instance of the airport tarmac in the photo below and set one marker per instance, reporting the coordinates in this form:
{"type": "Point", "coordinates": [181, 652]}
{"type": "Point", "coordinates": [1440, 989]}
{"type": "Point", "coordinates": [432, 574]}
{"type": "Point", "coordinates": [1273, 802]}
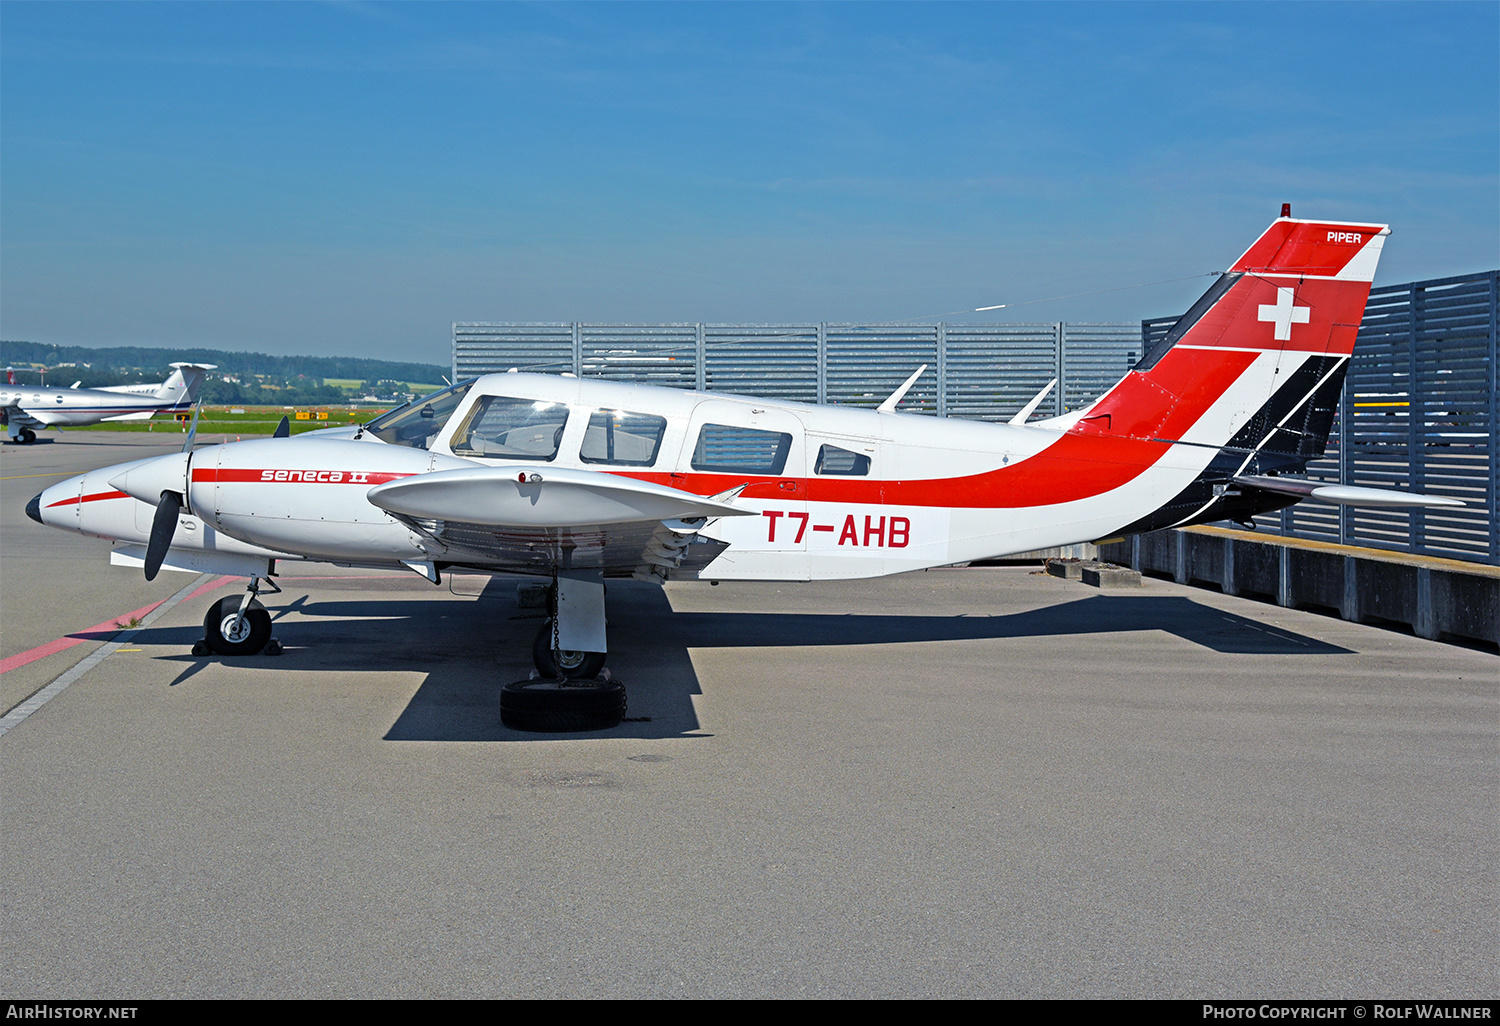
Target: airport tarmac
{"type": "Point", "coordinates": [967, 783]}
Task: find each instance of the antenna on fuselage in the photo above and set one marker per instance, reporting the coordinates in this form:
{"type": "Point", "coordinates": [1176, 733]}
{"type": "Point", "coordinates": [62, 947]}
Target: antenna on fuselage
{"type": "Point", "coordinates": [1030, 408]}
{"type": "Point", "coordinates": [889, 406]}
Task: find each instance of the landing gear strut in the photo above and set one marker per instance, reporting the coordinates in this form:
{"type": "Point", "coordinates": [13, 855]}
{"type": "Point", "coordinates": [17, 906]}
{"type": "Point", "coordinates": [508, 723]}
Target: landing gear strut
{"type": "Point", "coordinates": [239, 626]}
{"type": "Point", "coordinates": [571, 643]}
{"type": "Point", "coordinates": [568, 694]}
{"type": "Point", "coordinates": [560, 663]}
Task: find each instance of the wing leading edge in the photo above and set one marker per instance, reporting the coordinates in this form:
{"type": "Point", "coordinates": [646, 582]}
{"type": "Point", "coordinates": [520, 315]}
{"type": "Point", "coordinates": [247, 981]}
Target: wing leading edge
{"type": "Point", "coordinates": [539, 520]}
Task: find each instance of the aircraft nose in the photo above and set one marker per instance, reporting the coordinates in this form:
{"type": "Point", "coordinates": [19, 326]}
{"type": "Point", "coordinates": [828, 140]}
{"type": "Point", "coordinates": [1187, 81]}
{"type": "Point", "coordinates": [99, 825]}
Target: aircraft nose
{"type": "Point", "coordinates": [34, 507]}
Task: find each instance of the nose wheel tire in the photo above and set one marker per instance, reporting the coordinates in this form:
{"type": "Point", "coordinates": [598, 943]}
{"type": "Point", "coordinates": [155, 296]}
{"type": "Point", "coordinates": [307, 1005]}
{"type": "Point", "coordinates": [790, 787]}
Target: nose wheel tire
{"type": "Point", "coordinates": [559, 664]}
{"type": "Point", "coordinates": [247, 638]}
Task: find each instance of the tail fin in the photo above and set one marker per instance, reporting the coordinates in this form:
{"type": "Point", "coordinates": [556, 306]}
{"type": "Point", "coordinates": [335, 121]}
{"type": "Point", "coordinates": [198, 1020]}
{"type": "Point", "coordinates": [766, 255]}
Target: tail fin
{"type": "Point", "coordinates": [1252, 372]}
{"type": "Point", "coordinates": [1257, 362]}
{"type": "Point", "coordinates": [182, 387]}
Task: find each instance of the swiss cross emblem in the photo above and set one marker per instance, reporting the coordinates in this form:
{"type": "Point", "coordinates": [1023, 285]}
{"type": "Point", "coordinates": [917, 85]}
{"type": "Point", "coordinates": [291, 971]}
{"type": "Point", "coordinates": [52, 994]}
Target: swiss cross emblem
{"type": "Point", "coordinates": [1283, 313]}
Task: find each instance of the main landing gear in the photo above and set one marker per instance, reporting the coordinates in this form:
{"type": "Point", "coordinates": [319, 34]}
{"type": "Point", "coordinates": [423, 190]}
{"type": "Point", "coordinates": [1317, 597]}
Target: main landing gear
{"type": "Point", "coordinates": [24, 437]}
{"type": "Point", "coordinates": [568, 692]}
{"type": "Point", "coordinates": [239, 626]}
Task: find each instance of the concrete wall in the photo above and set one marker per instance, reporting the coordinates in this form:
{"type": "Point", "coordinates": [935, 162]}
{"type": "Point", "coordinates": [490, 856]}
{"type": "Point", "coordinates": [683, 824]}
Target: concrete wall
{"type": "Point", "coordinates": [1436, 598]}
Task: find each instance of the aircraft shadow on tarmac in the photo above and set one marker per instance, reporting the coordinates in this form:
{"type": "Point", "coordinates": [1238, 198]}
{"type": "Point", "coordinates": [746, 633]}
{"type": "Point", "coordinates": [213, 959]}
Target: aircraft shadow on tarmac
{"type": "Point", "coordinates": [468, 649]}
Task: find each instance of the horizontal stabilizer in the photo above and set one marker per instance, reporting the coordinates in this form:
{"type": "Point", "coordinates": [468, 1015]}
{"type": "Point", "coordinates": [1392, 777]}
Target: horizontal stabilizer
{"type": "Point", "coordinates": [553, 497]}
{"type": "Point", "coordinates": [1344, 495]}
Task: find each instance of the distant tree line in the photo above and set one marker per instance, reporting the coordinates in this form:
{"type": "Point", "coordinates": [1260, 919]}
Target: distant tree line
{"type": "Point", "coordinates": [282, 392]}
{"type": "Point", "coordinates": [121, 365]}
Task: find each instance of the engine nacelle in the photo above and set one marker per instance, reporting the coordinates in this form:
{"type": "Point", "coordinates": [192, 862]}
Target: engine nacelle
{"type": "Point", "coordinates": [310, 498]}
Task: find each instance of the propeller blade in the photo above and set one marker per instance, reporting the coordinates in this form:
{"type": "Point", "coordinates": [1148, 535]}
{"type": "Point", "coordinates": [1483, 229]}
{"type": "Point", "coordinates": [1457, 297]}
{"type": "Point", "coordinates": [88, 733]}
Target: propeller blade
{"type": "Point", "coordinates": [162, 527]}
{"type": "Point", "coordinates": [284, 429]}
{"type": "Point", "coordinates": [187, 445]}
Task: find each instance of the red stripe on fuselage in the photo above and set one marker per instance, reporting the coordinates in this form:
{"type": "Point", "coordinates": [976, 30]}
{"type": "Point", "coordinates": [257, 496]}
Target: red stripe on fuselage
{"type": "Point", "coordinates": [1075, 467]}
{"type": "Point", "coordinates": [293, 476]}
{"type": "Point", "coordinates": [96, 497]}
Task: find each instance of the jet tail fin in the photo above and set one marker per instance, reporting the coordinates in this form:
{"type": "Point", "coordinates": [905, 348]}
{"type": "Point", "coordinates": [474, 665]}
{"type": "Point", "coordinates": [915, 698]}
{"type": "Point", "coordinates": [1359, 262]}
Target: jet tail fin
{"type": "Point", "coordinates": [184, 383]}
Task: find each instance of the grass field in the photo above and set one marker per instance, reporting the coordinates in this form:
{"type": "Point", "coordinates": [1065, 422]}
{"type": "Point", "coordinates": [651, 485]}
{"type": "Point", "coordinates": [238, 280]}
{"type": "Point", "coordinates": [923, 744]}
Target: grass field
{"type": "Point", "coordinates": [352, 384]}
{"type": "Point", "coordinates": [220, 421]}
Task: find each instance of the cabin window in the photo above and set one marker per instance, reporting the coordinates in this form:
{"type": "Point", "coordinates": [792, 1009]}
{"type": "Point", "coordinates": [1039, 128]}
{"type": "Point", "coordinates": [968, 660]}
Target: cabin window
{"type": "Point", "coordinates": [622, 438]}
{"type": "Point", "coordinates": [502, 428]}
{"type": "Point", "coordinates": [724, 449]}
{"type": "Point", "coordinates": [841, 462]}
{"type": "Point", "coordinates": [416, 423]}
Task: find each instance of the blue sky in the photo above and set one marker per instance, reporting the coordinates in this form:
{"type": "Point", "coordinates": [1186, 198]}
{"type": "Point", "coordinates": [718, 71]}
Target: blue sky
{"type": "Point", "coordinates": [351, 178]}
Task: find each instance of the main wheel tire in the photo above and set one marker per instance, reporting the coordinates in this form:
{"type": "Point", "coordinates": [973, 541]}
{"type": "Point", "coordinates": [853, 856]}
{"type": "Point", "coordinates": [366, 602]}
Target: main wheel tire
{"type": "Point", "coordinates": [220, 633]}
{"type": "Point", "coordinates": [563, 665]}
{"type": "Point", "coordinates": [551, 706]}
{"type": "Point", "coordinates": [27, 436]}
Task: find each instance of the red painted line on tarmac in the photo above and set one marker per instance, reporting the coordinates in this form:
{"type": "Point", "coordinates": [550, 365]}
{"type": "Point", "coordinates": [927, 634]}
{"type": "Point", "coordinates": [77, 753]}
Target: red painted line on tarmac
{"type": "Point", "coordinates": [98, 632]}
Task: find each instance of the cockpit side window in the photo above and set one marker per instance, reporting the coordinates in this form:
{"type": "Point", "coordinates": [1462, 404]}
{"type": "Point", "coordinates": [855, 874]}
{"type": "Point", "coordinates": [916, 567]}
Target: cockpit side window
{"type": "Point", "coordinates": [504, 428]}
{"type": "Point", "coordinates": [418, 422]}
{"type": "Point", "coordinates": [622, 438]}
{"type": "Point", "coordinates": [725, 449]}
{"type": "Point", "coordinates": [833, 461]}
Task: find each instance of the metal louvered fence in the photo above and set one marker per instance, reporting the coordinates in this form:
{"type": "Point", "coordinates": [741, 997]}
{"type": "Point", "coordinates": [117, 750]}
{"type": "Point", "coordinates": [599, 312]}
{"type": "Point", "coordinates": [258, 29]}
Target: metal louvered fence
{"type": "Point", "coordinates": [1417, 413]}
{"type": "Point", "coordinates": [976, 371]}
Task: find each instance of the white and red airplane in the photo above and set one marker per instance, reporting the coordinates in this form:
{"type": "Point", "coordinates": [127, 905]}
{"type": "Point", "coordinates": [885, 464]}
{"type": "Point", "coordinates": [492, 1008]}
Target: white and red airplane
{"type": "Point", "coordinates": [25, 407]}
{"type": "Point", "coordinates": [583, 480]}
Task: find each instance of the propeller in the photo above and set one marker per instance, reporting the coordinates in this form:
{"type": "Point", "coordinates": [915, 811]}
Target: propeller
{"type": "Point", "coordinates": [162, 527]}
{"type": "Point", "coordinates": [187, 444]}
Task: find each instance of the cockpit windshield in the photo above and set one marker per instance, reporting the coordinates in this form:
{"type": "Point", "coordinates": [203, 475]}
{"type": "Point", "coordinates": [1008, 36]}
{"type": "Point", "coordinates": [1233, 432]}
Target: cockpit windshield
{"type": "Point", "coordinates": [418, 422]}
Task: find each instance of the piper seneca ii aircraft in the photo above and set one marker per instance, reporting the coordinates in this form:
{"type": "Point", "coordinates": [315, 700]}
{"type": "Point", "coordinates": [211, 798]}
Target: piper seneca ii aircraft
{"type": "Point", "coordinates": [24, 407]}
{"type": "Point", "coordinates": [581, 481]}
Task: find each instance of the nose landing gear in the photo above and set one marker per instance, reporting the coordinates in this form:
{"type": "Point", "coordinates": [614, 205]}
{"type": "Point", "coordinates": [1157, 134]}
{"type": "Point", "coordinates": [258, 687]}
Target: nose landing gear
{"type": "Point", "coordinates": [239, 626]}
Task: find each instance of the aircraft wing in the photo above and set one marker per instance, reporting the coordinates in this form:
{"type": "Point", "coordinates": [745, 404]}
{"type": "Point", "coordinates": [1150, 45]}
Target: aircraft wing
{"type": "Point", "coordinates": [16, 415]}
{"type": "Point", "coordinates": [536, 520]}
{"type": "Point", "coordinates": [1343, 495]}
